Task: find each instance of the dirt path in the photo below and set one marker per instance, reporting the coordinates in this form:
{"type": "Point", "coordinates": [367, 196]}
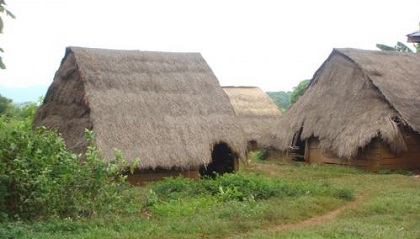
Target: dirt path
{"type": "Point", "coordinates": [315, 220]}
{"type": "Point", "coordinates": [308, 222]}
{"type": "Point", "coordinates": [274, 170]}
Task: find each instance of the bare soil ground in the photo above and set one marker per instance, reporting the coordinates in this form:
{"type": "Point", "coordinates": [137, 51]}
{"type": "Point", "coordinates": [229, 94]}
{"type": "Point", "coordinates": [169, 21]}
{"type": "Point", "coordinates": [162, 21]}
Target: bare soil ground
{"type": "Point", "coordinates": [315, 220]}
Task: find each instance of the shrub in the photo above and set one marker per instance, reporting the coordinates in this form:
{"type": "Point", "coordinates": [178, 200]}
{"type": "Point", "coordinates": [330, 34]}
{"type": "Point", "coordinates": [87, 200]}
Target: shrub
{"type": "Point", "coordinates": [258, 155]}
{"type": "Point", "coordinates": [40, 178]}
{"type": "Point", "coordinates": [250, 185]}
{"type": "Point", "coordinates": [242, 187]}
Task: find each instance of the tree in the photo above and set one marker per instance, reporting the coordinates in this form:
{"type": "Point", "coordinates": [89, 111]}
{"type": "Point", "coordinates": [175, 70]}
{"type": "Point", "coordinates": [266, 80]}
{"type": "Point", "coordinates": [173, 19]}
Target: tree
{"type": "Point", "coordinates": [281, 99]}
{"type": "Point", "coordinates": [5, 104]}
{"type": "Point", "coordinates": [3, 10]}
{"type": "Point", "coordinates": [398, 47]}
{"type": "Point", "coordinates": [298, 91]}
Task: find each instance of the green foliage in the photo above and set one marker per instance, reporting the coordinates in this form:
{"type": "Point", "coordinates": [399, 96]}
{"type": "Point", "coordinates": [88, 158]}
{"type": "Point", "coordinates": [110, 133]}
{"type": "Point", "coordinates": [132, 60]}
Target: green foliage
{"type": "Point", "coordinates": [401, 47]}
{"type": "Point", "coordinates": [258, 155]}
{"type": "Point", "coordinates": [281, 99]}
{"type": "Point", "coordinates": [298, 91]}
{"type": "Point", "coordinates": [387, 206]}
{"type": "Point", "coordinates": [241, 187]}
{"type": "Point", "coordinates": [417, 46]}
{"type": "Point", "coordinates": [40, 178]}
{"type": "Point", "coordinates": [5, 104]}
{"type": "Point", "coordinates": [19, 113]}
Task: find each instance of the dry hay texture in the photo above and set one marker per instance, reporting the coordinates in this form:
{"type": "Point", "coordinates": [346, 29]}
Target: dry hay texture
{"type": "Point", "coordinates": [254, 109]}
{"type": "Point", "coordinates": [168, 109]}
{"type": "Point", "coordinates": [355, 97]}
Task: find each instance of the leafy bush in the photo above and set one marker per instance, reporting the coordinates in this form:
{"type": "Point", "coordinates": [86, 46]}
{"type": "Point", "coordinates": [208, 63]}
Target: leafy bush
{"type": "Point", "coordinates": [250, 185]}
{"type": "Point", "coordinates": [243, 192]}
{"type": "Point", "coordinates": [243, 187]}
{"type": "Point", "coordinates": [261, 154]}
{"type": "Point", "coordinates": [39, 178]}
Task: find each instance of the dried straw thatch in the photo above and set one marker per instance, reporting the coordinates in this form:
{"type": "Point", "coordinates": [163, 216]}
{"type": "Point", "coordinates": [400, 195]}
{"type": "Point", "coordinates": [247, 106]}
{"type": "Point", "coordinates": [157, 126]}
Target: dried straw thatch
{"type": "Point", "coordinates": [168, 109]}
{"type": "Point", "coordinates": [354, 97]}
{"type": "Point", "coordinates": [255, 110]}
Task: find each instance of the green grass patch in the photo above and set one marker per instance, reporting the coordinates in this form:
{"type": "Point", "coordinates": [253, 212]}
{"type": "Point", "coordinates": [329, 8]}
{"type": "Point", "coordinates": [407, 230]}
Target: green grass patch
{"type": "Point", "coordinates": [185, 208]}
{"type": "Point", "coordinates": [250, 205]}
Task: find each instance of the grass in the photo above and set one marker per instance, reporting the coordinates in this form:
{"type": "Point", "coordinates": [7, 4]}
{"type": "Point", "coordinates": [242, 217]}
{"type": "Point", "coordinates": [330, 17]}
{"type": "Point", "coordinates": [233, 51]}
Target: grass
{"type": "Point", "coordinates": [253, 204]}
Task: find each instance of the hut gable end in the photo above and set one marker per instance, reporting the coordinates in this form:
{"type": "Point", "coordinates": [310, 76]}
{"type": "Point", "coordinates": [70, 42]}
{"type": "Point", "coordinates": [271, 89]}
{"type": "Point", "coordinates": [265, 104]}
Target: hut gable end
{"type": "Point", "coordinates": [397, 77]}
{"type": "Point", "coordinates": [167, 109]}
{"type": "Point", "coordinates": [255, 111]}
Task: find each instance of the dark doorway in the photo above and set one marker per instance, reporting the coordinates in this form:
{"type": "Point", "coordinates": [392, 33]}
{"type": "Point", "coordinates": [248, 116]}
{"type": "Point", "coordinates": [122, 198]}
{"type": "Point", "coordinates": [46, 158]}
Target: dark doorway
{"type": "Point", "coordinates": [252, 145]}
{"type": "Point", "coordinates": [297, 151]}
{"type": "Point", "coordinates": [222, 161]}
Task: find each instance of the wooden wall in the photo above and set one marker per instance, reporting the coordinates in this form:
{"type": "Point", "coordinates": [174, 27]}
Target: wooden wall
{"type": "Point", "coordinates": [142, 177]}
{"type": "Point", "coordinates": [375, 156]}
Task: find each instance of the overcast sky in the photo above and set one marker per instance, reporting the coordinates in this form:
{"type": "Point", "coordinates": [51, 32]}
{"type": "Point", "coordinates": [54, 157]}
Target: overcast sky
{"type": "Point", "coordinates": [270, 44]}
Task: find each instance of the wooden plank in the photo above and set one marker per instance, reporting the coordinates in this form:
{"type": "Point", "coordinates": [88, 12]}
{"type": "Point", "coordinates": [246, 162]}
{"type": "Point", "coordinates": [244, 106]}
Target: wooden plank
{"type": "Point", "coordinates": [401, 166]}
{"type": "Point", "coordinates": [306, 155]}
{"type": "Point", "coordinates": [142, 178]}
{"type": "Point", "coordinates": [405, 159]}
{"type": "Point", "coordinates": [375, 156]}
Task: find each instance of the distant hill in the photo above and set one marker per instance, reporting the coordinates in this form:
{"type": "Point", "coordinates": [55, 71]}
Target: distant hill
{"type": "Point", "coordinates": [281, 99]}
{"type": "Point", "coordinates": [24, 94]}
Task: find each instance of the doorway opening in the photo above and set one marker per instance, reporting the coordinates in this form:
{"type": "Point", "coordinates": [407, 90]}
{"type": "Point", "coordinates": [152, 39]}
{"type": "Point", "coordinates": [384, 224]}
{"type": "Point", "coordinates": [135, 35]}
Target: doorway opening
{"type": "Point", "coordinates": [252, 145]}
{"type": "Point", "coordinates": [297, 150]}
{"type": "Point", "coordinates": [223, 160]}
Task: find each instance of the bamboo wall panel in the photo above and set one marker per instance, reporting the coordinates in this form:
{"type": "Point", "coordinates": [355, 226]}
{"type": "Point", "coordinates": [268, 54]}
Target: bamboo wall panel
{"type": "Point", "coordinates": [375, 156]}
{"type": "Point", "coordinates": [140, 178]}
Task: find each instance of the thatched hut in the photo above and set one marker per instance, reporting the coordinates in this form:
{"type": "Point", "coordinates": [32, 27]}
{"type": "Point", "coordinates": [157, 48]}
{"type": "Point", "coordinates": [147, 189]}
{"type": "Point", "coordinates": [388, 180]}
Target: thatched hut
{"type": "Point", "coordinates": [361, 108]}
{"type": "Point", "coordinates": [255, 111]}
{"type": "Point", "coordinates": [167, 109]}
{"type": "Point", "coordinates": [414, 37]}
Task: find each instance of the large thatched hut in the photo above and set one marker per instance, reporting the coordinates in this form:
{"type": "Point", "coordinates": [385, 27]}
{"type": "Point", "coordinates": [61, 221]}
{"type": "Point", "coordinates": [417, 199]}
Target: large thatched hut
{"type": "Point", "coordinates": [167, 109]}
{"type": "Point", "coordinates": [361, 108]}
{"type": "Point", "coordinates": [255, 111]}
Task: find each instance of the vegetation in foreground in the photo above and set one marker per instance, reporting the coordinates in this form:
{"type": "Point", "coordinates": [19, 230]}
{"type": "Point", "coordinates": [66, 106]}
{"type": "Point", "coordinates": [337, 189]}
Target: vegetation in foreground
{"type": "Point", "coordinates": [185, 208]}
{"type": "Point", "coordinates": [40, 179]}
{"type": "Point", "coordinates": [254, 203]}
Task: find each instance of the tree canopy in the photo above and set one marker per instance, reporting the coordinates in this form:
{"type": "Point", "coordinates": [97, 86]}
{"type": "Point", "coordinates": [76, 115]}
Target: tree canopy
{"type": "Point", "coordinates": [281, 99]}
{"type": "Point", "coordinates": [5, 104]}
{"type": "Point", "coordinates": [398, 47]}
{"type": "Point", "coordinates": [298, 91]}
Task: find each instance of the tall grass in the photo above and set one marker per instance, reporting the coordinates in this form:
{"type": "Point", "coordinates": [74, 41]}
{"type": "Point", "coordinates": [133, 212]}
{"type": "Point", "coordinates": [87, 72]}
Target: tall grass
{"type": "Point", "coordinates": [185, 208]}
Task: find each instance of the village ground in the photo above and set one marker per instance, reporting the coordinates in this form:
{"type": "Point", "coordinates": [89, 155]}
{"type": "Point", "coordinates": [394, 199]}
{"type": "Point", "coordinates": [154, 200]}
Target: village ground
{"type": "Point", "coordinates": [384, 205]}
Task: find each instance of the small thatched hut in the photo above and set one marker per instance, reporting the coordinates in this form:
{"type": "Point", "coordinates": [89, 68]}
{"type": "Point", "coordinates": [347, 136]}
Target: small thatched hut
{"type": "Point", "coordinates": [361, 108]}
{"type": "Point", "coordinates": [167, 109]}
{"type": "Point", "coordinates": [414, 37]}
{"type": "Point", "coordinates": [255, 111]}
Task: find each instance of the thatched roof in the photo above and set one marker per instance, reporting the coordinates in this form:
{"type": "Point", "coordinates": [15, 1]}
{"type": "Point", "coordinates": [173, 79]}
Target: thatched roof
{"type": "Point", "coordinates": [254, 109]}
{"type": "Point", "coordinates": [168, 109]}
{"type": "Point", "coordinates": [355, 96]}
{"type": "Point", "coordinates": [414, 37]}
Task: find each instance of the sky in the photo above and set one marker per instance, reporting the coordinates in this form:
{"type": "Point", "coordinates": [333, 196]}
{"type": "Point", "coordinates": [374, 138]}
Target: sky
{"type": "Point", "coordinates": [266, 43]}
